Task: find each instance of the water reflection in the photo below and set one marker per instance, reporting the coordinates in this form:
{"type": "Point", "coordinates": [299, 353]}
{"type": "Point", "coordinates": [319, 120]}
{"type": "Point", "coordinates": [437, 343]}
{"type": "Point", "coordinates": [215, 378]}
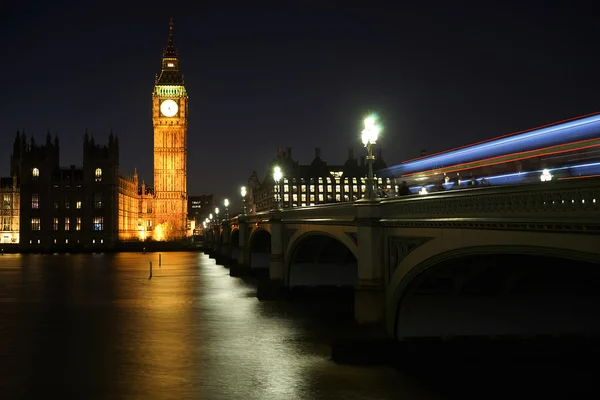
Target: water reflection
{"type": "Point", "coordinates": [95, 326]}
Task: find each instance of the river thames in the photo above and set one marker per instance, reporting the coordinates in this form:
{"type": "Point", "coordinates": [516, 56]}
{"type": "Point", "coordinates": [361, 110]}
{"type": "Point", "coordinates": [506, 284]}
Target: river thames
{"type": "Point", "coordinates": [95, 327]}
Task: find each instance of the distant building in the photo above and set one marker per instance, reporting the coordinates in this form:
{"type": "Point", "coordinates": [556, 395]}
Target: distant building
{"type": "Point", "coordinates": [9, 214]}
{"type": "Point", "coordinates": [315, 183]}
{"type": "Point", "coordinates": [47, 206]}
{"type": "Point", "coordinates": [199, 207]}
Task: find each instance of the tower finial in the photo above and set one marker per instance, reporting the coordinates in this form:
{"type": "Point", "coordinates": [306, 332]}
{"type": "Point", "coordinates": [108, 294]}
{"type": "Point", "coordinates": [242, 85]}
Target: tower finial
{"type": "Point", "coordinates": [171, 24]}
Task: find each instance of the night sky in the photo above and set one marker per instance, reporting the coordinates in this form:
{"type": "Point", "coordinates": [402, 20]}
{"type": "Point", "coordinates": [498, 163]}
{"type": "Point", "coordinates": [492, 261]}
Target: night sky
{"type": "Point", "coordinates": [439, 75]}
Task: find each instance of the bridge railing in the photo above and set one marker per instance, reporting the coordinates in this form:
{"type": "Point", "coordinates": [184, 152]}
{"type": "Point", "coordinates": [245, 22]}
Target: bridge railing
{"type": "Point", "coordinates": [573, 200]}
{"type": "Point", "coordinates": [577, 199]}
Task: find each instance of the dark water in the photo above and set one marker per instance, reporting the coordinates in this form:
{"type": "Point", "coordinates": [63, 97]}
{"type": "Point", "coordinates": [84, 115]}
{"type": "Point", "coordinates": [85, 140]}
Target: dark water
{"type": "Point", "coordinates": [95, 327]}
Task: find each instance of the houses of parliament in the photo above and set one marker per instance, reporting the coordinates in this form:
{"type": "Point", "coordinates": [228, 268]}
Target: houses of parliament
{"type": "Point", "coordinates": [47, 206]}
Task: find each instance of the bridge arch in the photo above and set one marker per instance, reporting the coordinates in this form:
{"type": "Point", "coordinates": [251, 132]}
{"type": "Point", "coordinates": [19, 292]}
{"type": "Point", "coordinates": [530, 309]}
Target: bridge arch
{"type": "Point", "coordinates": [321, 257]}
{"type": "Point", "coordinates": [456, 248]}
{"type": "Point", "coordinates": [259, 247]}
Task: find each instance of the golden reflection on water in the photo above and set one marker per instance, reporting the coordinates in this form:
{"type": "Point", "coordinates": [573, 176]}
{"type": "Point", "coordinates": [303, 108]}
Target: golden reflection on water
{"type": "Point", "coordinates": [190, 332]}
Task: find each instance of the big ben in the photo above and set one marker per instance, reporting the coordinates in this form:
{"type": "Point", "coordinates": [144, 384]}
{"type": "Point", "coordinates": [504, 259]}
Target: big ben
{"type": "Point", "coordinates": [170, 120]}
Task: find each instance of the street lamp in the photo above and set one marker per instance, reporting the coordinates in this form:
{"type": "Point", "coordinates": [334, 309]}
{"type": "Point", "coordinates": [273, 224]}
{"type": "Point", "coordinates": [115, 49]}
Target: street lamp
{"type": "Point", "coordinates": [369, 138]}
{"type": "Point", "coordinates": [217, 215]}
{"type": "Point", "coordinates": [277, 174]}
{"type": "Point", "coordinates": [226, 204]}
{"type": "Point", "coordinates": [243, 193]}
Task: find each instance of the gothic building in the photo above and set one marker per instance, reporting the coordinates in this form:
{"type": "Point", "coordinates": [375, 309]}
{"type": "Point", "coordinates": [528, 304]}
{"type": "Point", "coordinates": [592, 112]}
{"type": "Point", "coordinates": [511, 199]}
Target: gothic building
{"type": "Point", "coordinates": [169, 117]}
{"type": "Point", "coordinates": [315, 183]}
{"type": "Point", "coordinates": [47, 206]}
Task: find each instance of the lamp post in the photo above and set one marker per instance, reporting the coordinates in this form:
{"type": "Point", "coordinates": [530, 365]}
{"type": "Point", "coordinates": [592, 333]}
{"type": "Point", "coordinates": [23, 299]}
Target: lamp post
{"type": "Point", "coordinates": [217, 216]}
{"type": "Point", "coordinates": [369, 138]}
{"type": "Point", "coordinates": [277, 175]}
{"type": "Point", "coordinates": [226, 204]}
{"type": "Point", "coordinates": [243, 193]}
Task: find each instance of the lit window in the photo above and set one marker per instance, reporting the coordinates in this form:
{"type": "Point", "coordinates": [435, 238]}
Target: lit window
{"type": "Point", "coordinates": [35, 201]}
{"type": "Point", "coordinates": [101, 240]}
{"type": "Point", "coordinates": [286, 188]}
{"type": "Point", "coordinates": [67, 223]}
{"type": "Point", "coordinates": [286, 197]}
{"type": "Point", "coordinates": [55, 225]}
{"type": "Point", "coordinates": [35, 224]}
{"type": "Point", "coordinates": [97, 200]}
{"type": "Point", "coordinates": [303, 188]}
{"type": "Point", "coordinates": [6, 203]}
{"type": "Point", "coordinates": [355, 188]}
{"type": "Point", "coordinates": [170, 65]}
{"type": "Point", "coordinates": [346, 188]}
{"type": "Point", "coordinates": [321, 197]}
{"type": "Point", "coordinates": [78, 204]}
{"type": "Point", "coordinates": [320, 187]}
{"type": "Point", "coordinates": [35, 173]}
{"type": "Point", "coordinates": [78, 224]}
{"type": "Point", "coordinates": [303, 197]}
{"type": "Point", "coordinates": [99, 223]}
{"type": "Point", "coordinates": [312, 198]}
{"type": "Point", "coordinates": [312, 188]}
{"type": "Point", "coordinates": [54, 241]}
{"type": "Point", "coordinates": [295, 197]}
{"type": "Point", "coordinates": [98, 174]}
{"type": "Point", "coordinates": [67, 241]}
{"type": "Point", "coordinates": [337, 188]}
{"type": "Point", "coordinates": [328, 188]}
{"type": "Point", "coordinates": [338, 197]}
{"type": "Point", "coordinates": [94, 241]}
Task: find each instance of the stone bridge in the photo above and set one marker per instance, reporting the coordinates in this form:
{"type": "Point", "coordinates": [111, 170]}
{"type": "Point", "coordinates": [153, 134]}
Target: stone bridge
{"type": "Point", "coordinates": [509, 260]}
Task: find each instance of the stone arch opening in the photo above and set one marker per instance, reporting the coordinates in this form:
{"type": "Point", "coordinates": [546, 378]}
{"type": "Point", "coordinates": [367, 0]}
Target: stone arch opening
{"type": "Point", "coordinates": [260, 249]}
{"type": "Point", "coordinates": [500, 294]}
{"type": "Point", "coordinates": [234, 244]}
{"type": "Point", "coordinates": [319, 259]}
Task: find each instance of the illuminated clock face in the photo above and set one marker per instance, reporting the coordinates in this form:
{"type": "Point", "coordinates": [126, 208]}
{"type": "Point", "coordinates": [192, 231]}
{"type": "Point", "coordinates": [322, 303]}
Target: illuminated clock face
{"type": "Point", "coordinates": [168, 108]}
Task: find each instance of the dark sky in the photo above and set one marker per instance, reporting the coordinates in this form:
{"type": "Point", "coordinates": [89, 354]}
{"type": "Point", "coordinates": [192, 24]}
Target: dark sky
{"type": "Point", "coordinates": [440, 74]}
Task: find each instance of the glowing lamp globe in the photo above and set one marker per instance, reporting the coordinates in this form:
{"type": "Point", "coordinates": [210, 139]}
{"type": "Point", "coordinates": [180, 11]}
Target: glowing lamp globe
{"type": "Point", "coordinates": [277, 174]}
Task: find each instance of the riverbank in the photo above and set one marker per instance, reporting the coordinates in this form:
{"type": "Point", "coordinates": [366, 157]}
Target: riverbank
{"type": "Point", "coordinates": [117, 248]}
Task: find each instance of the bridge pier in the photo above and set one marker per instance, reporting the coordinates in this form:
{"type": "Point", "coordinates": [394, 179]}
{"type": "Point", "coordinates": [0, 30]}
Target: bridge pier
{"type": "Point", "coordinates": [223, 255]}
{"type": "Point", "coordinates": [369, 298]}
{"type": "Point", "coordinates": [274, 287]}
{"type": "Point", "coordinates": [242, 268]}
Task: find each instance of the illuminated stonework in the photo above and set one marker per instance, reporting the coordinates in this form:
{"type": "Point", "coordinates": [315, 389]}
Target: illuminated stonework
{"type": "Point", "coordinates": [169, 117]}
{"type": "Point", "coordinates": [9, 213]}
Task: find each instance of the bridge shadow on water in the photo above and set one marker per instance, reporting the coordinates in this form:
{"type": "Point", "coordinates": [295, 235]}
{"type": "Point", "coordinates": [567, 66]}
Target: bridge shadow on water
{"type": "Point", "coordinates": [502, 367]}
{"type": "Point", "coordinates": [530, 327]}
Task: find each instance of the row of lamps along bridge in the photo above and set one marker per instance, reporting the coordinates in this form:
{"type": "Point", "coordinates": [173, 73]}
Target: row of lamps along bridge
{"type": "Point", "coordinates": [369, 137]}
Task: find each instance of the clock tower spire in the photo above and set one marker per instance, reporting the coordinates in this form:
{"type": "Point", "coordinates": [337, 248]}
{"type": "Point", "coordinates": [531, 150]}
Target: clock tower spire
{"type": "Point", "coordinates": [169, 117]}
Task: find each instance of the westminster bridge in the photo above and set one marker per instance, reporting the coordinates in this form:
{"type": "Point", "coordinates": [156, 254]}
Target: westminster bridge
{"type": "Point", "coordinates": [507, 260]}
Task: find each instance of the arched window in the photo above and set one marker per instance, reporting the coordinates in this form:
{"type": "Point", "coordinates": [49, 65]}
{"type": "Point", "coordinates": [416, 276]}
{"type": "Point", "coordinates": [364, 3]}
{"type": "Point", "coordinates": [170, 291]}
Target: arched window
{"type": "Point", "coordinates": [35, 173]}
{"type": "Point", "coordinates": [98, 174]}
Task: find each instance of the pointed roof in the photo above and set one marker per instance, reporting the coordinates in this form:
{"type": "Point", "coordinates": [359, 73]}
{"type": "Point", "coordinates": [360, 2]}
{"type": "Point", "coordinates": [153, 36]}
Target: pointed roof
{"type": "Point", "coordinates": [170, 74]}
{"type": "Point", "coordinates": [170, 51]}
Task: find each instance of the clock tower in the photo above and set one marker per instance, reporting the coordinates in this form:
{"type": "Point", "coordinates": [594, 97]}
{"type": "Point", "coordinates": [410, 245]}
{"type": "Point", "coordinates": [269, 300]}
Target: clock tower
{"type": "Point", "coordinates": [170, 120]}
